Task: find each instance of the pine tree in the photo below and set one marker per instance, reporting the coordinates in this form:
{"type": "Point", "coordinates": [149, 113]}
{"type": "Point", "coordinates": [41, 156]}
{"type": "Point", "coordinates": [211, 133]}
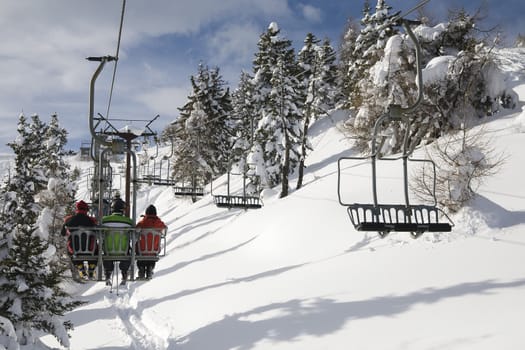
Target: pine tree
{"type": "Point", "coordinates": [31, 296]}
{"type": "Point", "coordinates": [243, 119]}
{"type": "Point", "coordinates": [327, 84]}
{"type": "Point", "coordinates": [368, 49]}
{"type": "Point", "coordinates": [309, 64]}
{"type": "Point", "coordinates": [279, 128]}
{"type": "Point", "coordinates": [187, 161]}
{"type": "Point", "coordinates": [465, 89]}
{"type": "Point", "coordinates": [347, 59]}
{"type": "Point", "coordinates": [391, 80]}
{"type": "Point", "coordinates": [218, 108]}
{"type": "Point", "coordinates": [202, 133]}
{"type": "Point", "coordinates": [319, 87]}
{"type": "Point", "coordinates": [61, 188]}
{"type": "Point", "coordinates": [38, 130]}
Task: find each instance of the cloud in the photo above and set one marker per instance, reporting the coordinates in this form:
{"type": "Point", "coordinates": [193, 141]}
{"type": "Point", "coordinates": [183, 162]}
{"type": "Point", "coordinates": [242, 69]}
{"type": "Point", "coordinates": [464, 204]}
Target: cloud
{"type": "Point", "coordinates": [165, 101]}
{"type": "Point", "coordinates": [233, 43]}
{"type": "Point", "coordinates": [45, 43]}
{"type": "Point", "coordinates": [311, 13]}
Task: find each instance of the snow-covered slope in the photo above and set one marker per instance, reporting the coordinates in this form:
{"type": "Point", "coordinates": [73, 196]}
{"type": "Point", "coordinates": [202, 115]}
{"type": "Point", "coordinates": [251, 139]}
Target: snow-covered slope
{"type": "Point", "coordinates": [296, 275]}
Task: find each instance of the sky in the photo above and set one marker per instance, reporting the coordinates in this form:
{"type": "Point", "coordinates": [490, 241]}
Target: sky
{"type": "Point", "coordinates": [296, 275]}
{"type": "Point", "coordinates": [45, 43]}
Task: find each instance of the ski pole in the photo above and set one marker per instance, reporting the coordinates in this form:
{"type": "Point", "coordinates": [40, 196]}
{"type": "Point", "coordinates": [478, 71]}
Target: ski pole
{"type": "Point", "coordinates": [115, 272]}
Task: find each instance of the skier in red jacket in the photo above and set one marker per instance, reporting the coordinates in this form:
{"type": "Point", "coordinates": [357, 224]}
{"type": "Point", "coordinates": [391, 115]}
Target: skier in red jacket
{"type": "Point", "coordinates": [150, 220]}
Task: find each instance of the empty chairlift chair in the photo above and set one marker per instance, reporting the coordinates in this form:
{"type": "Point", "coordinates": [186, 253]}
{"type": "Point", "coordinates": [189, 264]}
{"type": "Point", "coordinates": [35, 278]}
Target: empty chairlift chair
{"type": "Point", "coordinates": [243, 201]}
{"type": "Point", "coordinates": [406, 217]}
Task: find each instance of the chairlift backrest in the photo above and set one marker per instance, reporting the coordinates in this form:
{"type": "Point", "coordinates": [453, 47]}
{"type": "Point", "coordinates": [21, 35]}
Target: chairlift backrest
{"type": "Point", "coordinates": [149, 241]}
{"type": "Point", "coordinates": [83, 242]}
{"type": "Point", "coordinates": [116, 238]}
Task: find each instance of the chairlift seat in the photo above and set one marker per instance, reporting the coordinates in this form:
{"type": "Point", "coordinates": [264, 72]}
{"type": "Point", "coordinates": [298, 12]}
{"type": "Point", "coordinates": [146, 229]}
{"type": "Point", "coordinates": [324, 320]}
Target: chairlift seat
{"type": "Point", "coordinates": [243, 202]}
{"type": "Point", "coordinates": [155, 180]}
{"type": "Point", "coordinates": [188, 191]}
{"type": "Point", "coordinates": [398, 218]}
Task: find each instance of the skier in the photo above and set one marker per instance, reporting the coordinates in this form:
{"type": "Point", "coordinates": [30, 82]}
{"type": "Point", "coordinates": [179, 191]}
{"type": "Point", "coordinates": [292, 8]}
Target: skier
{"type": "Point", "coordinates": [117, 219]}
{"type": "Point", "coordinates": [150, 220]}
{"type": "Point", "coordinates": [118, 201]}
{"type": "Point", "coordinates": [80, 219]}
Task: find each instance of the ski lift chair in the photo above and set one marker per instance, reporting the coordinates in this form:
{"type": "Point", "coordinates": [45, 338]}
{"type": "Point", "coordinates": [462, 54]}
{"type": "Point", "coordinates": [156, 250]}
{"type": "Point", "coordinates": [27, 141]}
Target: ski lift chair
{"type": "Point", "coordinates": [188, 186]}
{"type": "Point", "coordinates": [243, 202]}
{"type": "Point", "coordinates": [385, 218]}
{"type": "Point", "coordinates": [184, 191]}
{"type": "Point", "coordinates": [230, 201]}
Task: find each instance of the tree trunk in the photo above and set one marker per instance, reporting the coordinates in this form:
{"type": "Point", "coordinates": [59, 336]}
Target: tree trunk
{"type": "Point", "coordinates": [303, 150]}
{"type": "Point", "coordinates": [285, 171]}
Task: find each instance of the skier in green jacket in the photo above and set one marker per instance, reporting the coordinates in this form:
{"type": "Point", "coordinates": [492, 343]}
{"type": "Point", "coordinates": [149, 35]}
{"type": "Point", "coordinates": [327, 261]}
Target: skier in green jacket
{"type": "Point", "coordinates": [117, 241]}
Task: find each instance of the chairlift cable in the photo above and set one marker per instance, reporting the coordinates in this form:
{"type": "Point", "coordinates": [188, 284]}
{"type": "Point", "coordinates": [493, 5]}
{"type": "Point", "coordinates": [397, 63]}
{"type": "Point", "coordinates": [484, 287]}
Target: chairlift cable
{"type": "Point", "coordinates": [116, 57]}
{"type": "Point", "coordinates": [421, 4]}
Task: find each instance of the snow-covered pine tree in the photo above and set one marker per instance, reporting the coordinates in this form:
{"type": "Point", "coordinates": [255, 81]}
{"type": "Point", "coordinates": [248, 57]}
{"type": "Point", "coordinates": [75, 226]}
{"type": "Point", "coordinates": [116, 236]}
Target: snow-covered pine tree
{"type": "Point", "coordinates": [309, 66]}
{"type": "Point", "coordinates": [346, 59]}
{"type": "Point", "coordinates": [328, 86]}
{"type": "Point", "coordinates": [218, 108]}
{"type": "Point", "coordinates": [318, 76]}
{"type": "Point", "coordinates": [467, 87]}
{"type": "Point", "coordinates": [243, 118]}
{"type": "Point", "coordinates": [8, 337]}
{"type": "Point", "coordinates": [278, 132]}
{"type": "Point", "coordinates": [375, 30]}
{"type": "Point", "coordinates": [461, 78]}
{"type": "Point", "coordinates": [38, 130]}
{"type": "Point", "coordinates": [31, 296]}
{"type": "Point", "coordinates": [202, 133]}
{"type": "Point", "coordinates": [187, 160]}
{"type": "Point", "coordinates": [61, 189]}
{"type": "Point", "coordinates": [262, 70]}
{"type": "Point", "coordinates": [365, 96]}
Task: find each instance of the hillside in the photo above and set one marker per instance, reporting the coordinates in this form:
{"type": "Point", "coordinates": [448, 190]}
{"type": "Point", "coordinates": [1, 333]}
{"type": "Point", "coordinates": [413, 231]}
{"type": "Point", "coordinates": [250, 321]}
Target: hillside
{"type": "Point", "coordinates": [296, 275]}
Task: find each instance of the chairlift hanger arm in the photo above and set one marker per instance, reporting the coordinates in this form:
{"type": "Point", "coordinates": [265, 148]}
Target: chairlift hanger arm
{"type": "Point", "coordinates": [102, 61]}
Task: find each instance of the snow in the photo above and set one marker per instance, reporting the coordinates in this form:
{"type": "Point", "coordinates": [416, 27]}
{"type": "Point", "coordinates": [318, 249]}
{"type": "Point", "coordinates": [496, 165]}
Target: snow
{"type": "Point", "coordinates": [430, 34]}
{"type": "Point", "coordinates": [296, 275]}
{"type": "Point", "coordinates": [273, 27]}
{"type": "Point", "coordinates": [436, 69]}
{"type": "Point", "coordinates": [131, 130]}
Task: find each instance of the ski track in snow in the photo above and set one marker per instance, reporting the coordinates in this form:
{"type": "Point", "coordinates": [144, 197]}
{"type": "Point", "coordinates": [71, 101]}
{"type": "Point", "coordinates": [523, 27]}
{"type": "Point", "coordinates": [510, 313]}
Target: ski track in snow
{"type": "Point", "coordinates": [142, 336]}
